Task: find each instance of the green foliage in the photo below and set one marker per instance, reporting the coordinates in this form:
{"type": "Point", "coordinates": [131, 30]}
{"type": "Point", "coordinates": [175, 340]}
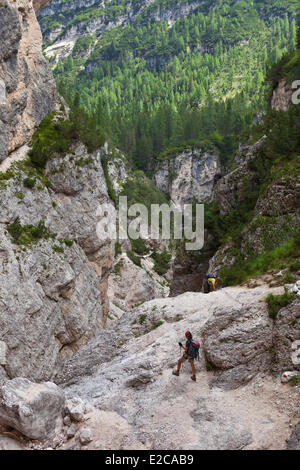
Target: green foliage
{"type": "Point", "coordinates": [153, 87]}
{"type": "Point", "coordinates": [161, 261]}
{"type": "Point", "coordinates": [242, 270]}
{"type": "Point", "coordinates": [140, 190]}
{"type": "Point", "coordinates": [57, 248]}
{"type": "Point", "coordinates": [135, 259]}
{"type": "Point", "coordinates": [295, 380]}
{"type": "Point", "coordinates": [19, 195]}
{"type": "Point", "coordinates": [295, 266]}
{"type": "Point", "coordinates": [29, 182]}
{"type": "Point", "coordinates": [67, 242]}
{"type": "Point", "coordinates": [209, 366]}
{"type": "Point", "coordinates": [276, 302]}
{"type": "Point", "coordinates": [83, 44]}
{"type": "Point", "coordinates": [118, 266]}
{"type": "Point", "coordinates": [139, 246]}
{"type": "Point", "coordinates": [157, 324]}
{"type": "Point", "coordinates": [118, 249]}
{"type": "Point", "coordinates": [298, 37]}
{"type": "Point", "coordinates": [142, 318]}
{"type": "Point", "coordinates": [50, 138]}
{"type": "Point", "coordinates": [56, 135]}
{"type": "Point", "coordinates": [27, 234]}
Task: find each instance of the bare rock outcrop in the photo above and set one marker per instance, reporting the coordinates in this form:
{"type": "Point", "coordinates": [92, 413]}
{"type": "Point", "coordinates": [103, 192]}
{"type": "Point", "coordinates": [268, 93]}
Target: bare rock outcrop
{"type": "Point", "coordinates": [38, 5]}
{"type": "Point", "coordinates": [287, 337]}
{"type": "Point", "coordinates": [238, 344]}
{"type": "Point", "coordinates": [33, 409]}
{"type": "Point", "coordinates": [127, 370]}
{"type": "Point", "coordinates": [53, 288]}
{"type": "Point", "coordinates": [146, 284]}
{"type": "Point", "coordinates": [232, 188]}
{"type": "Point", "coordinates": [27, 87]}
{"type": "Point", "coordinates": [189, 176]}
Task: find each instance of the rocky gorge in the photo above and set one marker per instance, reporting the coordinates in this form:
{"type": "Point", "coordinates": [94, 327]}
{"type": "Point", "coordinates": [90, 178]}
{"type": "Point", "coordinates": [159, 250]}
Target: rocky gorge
{"type": "Point", "coordinates": [89, 338]}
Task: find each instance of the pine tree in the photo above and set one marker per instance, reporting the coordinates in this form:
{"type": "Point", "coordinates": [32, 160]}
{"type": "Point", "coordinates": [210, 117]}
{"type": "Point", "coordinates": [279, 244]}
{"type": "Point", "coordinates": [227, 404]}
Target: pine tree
{"type": "Point", "coordinates": [298, 37]}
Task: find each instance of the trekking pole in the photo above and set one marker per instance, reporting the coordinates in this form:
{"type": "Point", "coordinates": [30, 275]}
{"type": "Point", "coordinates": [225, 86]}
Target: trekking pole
{"type": "Point", "coordinates": [180, 357]}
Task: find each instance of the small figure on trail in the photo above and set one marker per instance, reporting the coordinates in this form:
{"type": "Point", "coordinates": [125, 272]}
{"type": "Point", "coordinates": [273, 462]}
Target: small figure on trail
{"type": "Point", "coordinates": [191, 352]}
{"type": "Point", "coordinates": [209, 283]}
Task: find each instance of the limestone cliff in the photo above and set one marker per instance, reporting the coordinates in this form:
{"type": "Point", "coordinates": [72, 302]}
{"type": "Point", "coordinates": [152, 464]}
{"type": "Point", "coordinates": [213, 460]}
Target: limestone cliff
{"type": "Point", "coordinates": [189, 176]}
{"type": "Point", "coordinates": [53, 267]}
{"type": "Point", "coordinates": [27, 88]}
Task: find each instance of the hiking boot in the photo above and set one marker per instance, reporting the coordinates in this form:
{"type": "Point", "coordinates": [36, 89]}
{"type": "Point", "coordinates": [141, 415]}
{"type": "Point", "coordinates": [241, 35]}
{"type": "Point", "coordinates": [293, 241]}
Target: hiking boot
{"type": "Point", "coordinates": [193, 377]}
{"type": "Point", "coordinates": [175, 372]}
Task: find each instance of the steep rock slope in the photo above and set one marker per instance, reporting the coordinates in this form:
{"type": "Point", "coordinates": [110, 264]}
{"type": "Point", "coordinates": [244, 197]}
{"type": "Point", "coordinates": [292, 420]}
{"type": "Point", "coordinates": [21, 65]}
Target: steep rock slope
{"type": "Point", "coordinates": [236, 406]}
{"type": "Point", "coordinates": [27, 87]}
{"type": "Point", "coordinates": [54, 268]}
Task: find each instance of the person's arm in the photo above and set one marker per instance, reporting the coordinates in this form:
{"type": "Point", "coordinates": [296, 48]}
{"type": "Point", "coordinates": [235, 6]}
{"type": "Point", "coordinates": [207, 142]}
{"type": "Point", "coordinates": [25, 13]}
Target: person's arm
{"type": "Point", "coordinates": [183, 347]}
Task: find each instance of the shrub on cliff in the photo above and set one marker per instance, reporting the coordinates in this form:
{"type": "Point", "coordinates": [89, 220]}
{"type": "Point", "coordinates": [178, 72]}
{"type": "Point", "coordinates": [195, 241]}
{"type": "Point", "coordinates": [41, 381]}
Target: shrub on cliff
{"type": "Point", "coordinates": [277, 302]}
{"type": "Point", "coordinates": [161, 261]}
{"type": "Point", "coordinates": [55, 135]}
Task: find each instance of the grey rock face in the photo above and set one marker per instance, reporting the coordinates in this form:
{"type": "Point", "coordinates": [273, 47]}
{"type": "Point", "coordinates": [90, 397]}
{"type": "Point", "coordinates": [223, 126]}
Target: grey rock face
{"type": "Point", "coordinates": [231, 188]}
{"type": "Point", "coordinates": [33, 409]}
{"type": "Point", "coordinates": [217, 431]}
{"type": "Point", "coordinates": [287, 337]}
{"type": "Point", "coordinates": [27, 87]}
{"type": "Point", "coordinates": [189, 176]}
{"type": "Point", "coordinates": [146, 284]}
{"type": "Point", "coordinates": [66, 289]}
{"type": "Point", "coordinates": [238, 344]}
{"type": "Point", "coordinates": [275, 216]}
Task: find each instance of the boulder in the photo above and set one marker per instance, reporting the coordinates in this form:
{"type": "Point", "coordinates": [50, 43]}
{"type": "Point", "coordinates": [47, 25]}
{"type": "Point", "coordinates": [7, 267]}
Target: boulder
{"type": "Point", "coordinates": [237, 342]}
{"type": "Point", "coordinates": [75, 408]}
{"type": "Point", "coordinates": [33, 409]}
{"type": "Point", "coordinates": [86, 436]}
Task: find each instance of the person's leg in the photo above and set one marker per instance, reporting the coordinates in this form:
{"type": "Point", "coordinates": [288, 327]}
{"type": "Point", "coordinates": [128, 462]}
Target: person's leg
{"type": "Point", "coordinates": [179, 363]}
{"type": "Point", "coordinates": [193, 370]}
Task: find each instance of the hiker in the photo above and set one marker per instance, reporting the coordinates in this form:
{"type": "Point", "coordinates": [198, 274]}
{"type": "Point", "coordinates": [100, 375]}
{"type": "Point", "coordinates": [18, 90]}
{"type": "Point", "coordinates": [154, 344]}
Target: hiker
{"type": "Point", "coordinates": [209, 282]}
{"type": "Point", "coordinates": [191, 352]}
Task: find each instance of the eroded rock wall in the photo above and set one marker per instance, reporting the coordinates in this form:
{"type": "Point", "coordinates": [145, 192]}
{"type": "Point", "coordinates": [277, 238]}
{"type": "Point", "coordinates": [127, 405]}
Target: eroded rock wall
{"type": "Point", "coordinates": [27, 87]}
{"type": "Point", "coordinates": [189, 176]}
{"type": "Point", "coordinates": [53, 289]}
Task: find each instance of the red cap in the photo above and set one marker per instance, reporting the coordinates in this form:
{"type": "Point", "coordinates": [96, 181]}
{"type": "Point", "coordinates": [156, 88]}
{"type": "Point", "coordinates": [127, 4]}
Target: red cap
{"type": "Point", "coordinates": [187, 333]}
